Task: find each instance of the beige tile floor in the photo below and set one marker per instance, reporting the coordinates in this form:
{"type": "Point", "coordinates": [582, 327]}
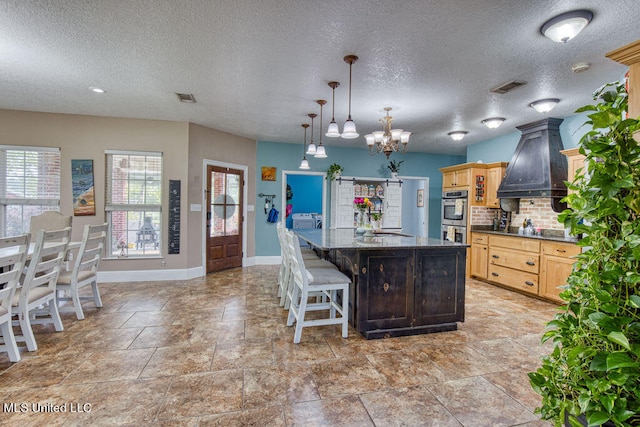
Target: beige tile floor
{"type": "Point", "coordinates": [216, 351]}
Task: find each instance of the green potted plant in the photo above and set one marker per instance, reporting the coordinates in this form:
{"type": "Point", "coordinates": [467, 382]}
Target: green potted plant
{"type": "Point", "coordinates": [394, 167]}
{"type": "Point", "coordinates": [592, 376]}
{"type": "Point", "coordinates": [334, 171]}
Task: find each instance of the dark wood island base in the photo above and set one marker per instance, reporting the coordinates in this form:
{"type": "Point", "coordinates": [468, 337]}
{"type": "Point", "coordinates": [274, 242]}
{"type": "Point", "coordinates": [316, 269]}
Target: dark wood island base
{"type": "Point", "coordinates": [401, 285]}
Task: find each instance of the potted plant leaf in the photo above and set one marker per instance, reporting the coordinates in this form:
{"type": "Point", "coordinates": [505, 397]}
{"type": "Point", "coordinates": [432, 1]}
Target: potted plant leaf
{"type": "Point", "coordinates": [394, 167]}
{"type": "Point", "coordinates": [334, 171]}
{"type": "Point", "coordinates": [592, 376]}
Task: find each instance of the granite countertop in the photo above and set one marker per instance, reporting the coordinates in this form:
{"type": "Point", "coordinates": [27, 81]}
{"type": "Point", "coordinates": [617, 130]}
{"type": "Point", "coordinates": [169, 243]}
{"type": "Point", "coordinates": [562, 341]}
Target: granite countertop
{"type": "Point", "coordinates": [551, 235]}
{"type": "Point", "coordinates": [347, 239]}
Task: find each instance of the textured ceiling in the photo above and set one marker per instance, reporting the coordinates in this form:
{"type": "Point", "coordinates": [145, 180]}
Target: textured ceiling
{"type": "Point", "coordinates": [256, 67]}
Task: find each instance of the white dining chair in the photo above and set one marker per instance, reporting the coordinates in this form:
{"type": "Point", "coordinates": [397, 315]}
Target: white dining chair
{"type": "Point", "coordinates": [38, 288]}
{"type": "Point", "coordinates": [13, 252]}
{"type": "Point", "coordinates": [309, 281]}
{"type": "Point", "coordinates": [84, 271]}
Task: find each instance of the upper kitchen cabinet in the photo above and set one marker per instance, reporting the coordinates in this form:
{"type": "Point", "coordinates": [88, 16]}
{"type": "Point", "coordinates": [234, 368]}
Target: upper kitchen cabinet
{"type": "Point", "coordinates": [456, 177]}
{"type": "Point", "coordinates": [575, 161]}
{"type": "Point", "coordinates": [480, 179]}
{"type": "Point", "coordinates": [629, 55]}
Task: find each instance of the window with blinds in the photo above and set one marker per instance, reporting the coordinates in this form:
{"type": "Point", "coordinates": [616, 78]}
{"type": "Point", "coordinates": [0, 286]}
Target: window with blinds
{"type": "Point", "coordinates": [30, 185]}
{"type": "Point", "coordinates": [133, 203]}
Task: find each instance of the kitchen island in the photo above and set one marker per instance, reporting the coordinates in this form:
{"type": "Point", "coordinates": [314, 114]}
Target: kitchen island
{"type": "Point", "coordinates": [400, 284]}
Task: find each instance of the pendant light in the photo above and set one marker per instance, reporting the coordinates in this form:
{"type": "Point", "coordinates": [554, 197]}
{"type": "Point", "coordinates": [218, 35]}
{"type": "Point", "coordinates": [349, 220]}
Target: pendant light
{"type": "Point", "coordinates": [311, 149]}
{"type": "Point", "coordinates": [304, 164]}
{"type": "Point", "coordinates": [333, 131]}
{"type": "Point", "coordinates": [320, 151]}
{"type": "Point", "coordinates": [349, 129]}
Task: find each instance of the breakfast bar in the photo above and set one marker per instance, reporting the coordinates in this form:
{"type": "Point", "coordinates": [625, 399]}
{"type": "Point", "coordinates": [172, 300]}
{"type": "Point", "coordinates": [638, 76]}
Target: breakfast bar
{"type": "Point", "coordinates": [400, 284]}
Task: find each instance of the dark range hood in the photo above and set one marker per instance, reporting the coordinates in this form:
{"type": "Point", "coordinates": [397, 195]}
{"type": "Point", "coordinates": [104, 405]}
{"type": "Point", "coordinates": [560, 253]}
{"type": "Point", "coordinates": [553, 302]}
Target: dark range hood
{"type": "Point", "coordinates": [537, 168]}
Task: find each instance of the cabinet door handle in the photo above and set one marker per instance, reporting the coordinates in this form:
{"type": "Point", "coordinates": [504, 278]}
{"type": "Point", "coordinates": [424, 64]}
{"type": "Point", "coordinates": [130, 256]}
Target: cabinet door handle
{"type": "Point", "coordinates": [531, 263]}
{"type": "Point", "coordinates": [495, 256]}
{"type": "Point", "coordinates": [495, 274]}
{"type": "Point", "coordinates": [528, 283]}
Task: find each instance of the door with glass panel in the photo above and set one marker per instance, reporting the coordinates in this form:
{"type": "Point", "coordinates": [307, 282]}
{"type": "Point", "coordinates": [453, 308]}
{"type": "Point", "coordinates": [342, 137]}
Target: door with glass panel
{"type": "Point", "coordinates": [224, 218]}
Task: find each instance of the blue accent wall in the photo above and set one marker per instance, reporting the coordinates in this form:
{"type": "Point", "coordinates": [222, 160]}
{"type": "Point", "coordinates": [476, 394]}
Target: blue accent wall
{"type": "Point", "coordinates": [307, 195]}
{"type": "Point", "coordinates": [356, 162]}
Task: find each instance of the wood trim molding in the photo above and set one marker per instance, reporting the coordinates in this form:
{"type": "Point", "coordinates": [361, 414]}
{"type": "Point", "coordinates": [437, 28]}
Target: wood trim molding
{"type": "Point", "coordinates": [627, 55]}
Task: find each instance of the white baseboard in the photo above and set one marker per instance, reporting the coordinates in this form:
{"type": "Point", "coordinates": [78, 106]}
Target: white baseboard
{"type": "Point", "coordinates": [174, 274]}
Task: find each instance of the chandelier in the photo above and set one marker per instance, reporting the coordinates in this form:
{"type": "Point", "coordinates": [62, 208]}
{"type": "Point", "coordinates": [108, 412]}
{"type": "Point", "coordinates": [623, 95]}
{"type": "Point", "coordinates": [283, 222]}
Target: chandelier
{"type": "Point", "coordinates": [387, 140]}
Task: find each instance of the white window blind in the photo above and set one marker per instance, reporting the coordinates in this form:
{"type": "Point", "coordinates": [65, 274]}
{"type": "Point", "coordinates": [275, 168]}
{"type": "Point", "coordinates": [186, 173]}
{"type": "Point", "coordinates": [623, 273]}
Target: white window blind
{"type": "Point", "coordinates": [133, 202]}
{"type": "Point", "coordinates": [30, 184]}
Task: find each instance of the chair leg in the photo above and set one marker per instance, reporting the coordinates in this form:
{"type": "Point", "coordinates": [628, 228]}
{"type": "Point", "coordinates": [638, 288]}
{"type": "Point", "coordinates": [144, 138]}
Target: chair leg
{"type": "Point", "coordinates": [55, 315]}
{"type": "Point", "coordinates": [10, 342]}
{"type": "Point", "coordinates": [345, 312]}
{"type": "Point", "coordinates": [96, 294]}
{"type": "Point", "coordinates": [293, 299]}
{"type": "Point", "coordinates": [286, 277]}
{"type": "Point", "coordinates": [302, 308]}
{"type": "Point", "coordinates": [27, 332]}
{"type": "Point", "coordinates": [77, 306]}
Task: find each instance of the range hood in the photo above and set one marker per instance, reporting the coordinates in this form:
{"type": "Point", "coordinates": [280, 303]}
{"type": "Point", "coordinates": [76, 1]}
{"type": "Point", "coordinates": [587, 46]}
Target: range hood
{"type": "Point", "coordinates": [537, 167]}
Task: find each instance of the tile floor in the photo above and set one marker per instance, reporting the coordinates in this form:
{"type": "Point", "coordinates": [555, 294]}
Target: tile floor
{"type": "Point", "coordinates": [216, 351]}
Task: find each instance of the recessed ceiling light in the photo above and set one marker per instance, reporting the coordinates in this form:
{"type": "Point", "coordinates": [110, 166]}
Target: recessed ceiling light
{"type": "Point", "coordinates": [457, 135]}
{"type": "Point", "coordinates": [544, 105]}
{"type": "Point", "coordinates": [97, 89]}
{"type": "Point", "coordinates": [493, 122]}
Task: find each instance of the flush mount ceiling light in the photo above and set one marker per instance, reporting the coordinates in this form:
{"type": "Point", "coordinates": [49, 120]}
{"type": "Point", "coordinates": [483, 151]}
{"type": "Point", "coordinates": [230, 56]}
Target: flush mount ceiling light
{"type": "Point", "coordinates": [320, 151]}
{"type": "Point", "coordinates": [96, 89]}
{"type": "Point", "coordinates": [332, 130]}
{"type": "Point", "coordinates": [311, 150]}
{"type": "Point", "coordinates": [304, 164]}
{"type": "Point", "coordinates": [544, 105]}
{"type": "Point", "coordinates": [493, 122]}
{"type": "Point", "coordinates": [349, 129]}
{"type": "Point", "coordinates": [566, 26]}
{"type": "Point", "coordinates": [457, 135]}
{"type": "Point", "coordinates": [387, 140]}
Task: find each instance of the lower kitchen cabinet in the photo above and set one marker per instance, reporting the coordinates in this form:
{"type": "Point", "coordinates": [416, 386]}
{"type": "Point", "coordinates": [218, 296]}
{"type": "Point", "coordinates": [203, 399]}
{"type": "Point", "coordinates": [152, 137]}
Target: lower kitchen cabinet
{"type": "Point", "coordinates": [557, 264]}
{"type": "Point", "coordinates": [534, 266]}
{"type": "Point", "coordinates": [479, 255]}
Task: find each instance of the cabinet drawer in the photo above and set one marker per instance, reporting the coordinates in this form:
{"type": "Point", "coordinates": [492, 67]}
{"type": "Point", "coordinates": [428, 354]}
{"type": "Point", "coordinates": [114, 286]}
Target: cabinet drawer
{"type": "Point", "coordinates": [560, 249]}
{"type": "Point", "coordinates": [481, 239]}
{"type": "Point", "coordinates": [518, 243]}
{"type": "Point", "coordinates": [524, 261]}
{"type": "Point", "coordinates": [514, 278]}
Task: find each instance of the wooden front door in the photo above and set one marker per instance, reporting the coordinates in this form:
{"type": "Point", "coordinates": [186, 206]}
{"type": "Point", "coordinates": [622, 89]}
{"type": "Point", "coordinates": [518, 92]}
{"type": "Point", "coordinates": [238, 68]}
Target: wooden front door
{"type": "Point", "coordinates": [224, 218]}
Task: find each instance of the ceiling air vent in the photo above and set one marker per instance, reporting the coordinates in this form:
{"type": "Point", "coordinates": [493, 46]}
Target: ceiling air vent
{"type": "Point", "coordinates": [508, 87]}
{"type": "Point", "coordinates": [186, 97]}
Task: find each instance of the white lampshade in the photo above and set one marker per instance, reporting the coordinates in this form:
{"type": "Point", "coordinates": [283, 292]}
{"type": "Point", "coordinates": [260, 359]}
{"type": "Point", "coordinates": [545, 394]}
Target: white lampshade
{"type": "Point", "coordinates": [395, 134]}
{"type": "Point", "coordinates": [544, 105]}
{"type": "Point", "coordinates": [404, 137]}
{"type": "Point", "coordinates": [332, 130]}
{"type": "Point", "coordinates": [320, 152]}
{"type": "Point", "coordinates": [311, 149]}
{"type": "Point", "coordinates": [377, 135]}
{"type": "Point", "coordinates": [349, 130]}
{"type": "Point", "coordinates": [457, 135]}
{"type": "Point", "coordinates": [566, 26]}
{"type": "Point", "coordinates": [493, 122]}
{"type": "Point", "coordinates": [304, 164]}
{"type": "Point", "coordinates": [370, 139]}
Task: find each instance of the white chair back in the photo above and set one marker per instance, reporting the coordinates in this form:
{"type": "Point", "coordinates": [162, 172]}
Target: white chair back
{"type": "Point", "coordinates": [49, 221]}
{"type": "Point", "coordinates": [13, 252]}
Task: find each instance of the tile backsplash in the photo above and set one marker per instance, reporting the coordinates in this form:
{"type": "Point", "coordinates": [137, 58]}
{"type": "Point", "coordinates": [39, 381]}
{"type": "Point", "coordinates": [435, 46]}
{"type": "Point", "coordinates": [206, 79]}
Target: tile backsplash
{"type": "Point", "coordinates": [537, 210]}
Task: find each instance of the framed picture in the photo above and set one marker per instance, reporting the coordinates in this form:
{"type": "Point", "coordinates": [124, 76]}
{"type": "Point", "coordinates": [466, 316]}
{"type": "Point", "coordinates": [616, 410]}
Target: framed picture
{"type": "Point", "coordinates": [268, 173]}
{"type": "Point", "coordinates": [420, 198]}
{"type": "Point", "coordinates": [82, 187]}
